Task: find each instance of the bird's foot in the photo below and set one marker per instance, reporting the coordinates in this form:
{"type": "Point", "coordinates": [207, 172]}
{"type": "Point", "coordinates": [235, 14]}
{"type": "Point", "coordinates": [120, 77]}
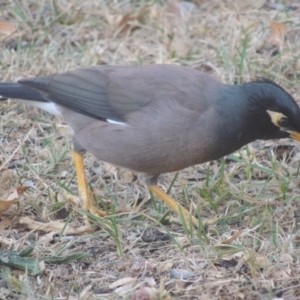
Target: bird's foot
{"type": "Point", "coordinates": [95, 211]}
{"type": "Point", "coordinates": [184, 214]}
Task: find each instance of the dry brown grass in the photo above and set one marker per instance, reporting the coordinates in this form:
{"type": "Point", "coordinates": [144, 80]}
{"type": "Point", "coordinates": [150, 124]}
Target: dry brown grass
{"type": "Point", "coordinates": [253, 193]}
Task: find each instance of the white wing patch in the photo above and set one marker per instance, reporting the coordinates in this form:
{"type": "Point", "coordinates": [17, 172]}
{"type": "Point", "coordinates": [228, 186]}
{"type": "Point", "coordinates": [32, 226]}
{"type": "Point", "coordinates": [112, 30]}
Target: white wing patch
{"type": "Point", "coordinates": [116, 122]}
{"type": "Point", "coordinates": [50, 107]}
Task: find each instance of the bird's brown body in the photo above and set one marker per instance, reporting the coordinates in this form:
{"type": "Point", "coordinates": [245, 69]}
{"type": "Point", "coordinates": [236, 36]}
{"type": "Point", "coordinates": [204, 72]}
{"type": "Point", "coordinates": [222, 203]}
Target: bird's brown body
{"type": "Point", "coordinates": [145, 97]}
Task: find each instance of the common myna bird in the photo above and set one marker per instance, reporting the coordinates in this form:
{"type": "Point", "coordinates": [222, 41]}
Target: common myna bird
{"type": "Point", "coordinates": [158, 118]}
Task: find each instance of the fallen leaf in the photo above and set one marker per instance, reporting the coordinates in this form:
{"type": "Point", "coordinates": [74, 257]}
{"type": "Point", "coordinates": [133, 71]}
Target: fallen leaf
{"type": "Point", "coordinates": [4, 224]}
{"type": "Point", "coordinates": [21, 190]}
{"type": "Point", "coordinates": [180, 45]}
{"type": "Point", "coordinates": [179, 12]}
{"type": "Point", "coordinates": [150, 281]}
{"type": "Point", "coordinates": [164, 266]}
{"type": "Point", "coordinates": [286, 258]}
{"type": "Point", "coordinates": [262, 260]}
{"type": "Point", "coordinates": [12, 198]}
{"type": "Point", "coordinates": [5, 204]}
{"type": "Point", "coordinates": [5, 177]}
{"type": "Point", "coordinates": [232, 238]}
{"type": "Point", "coordinates": [122, 281]}
{"type": "Point", "coordinates": [56, 226]}
{"type": "Point", "coordinates": [277, 35]}
{"type": "Point", "coordinates": [283, 273]}
{"type": "Point", "coordinates": [275, 40]}
{"type": "Point", "coordinates": [123, 290]}
{"type": "Point", "coordinates": [6, 29]}
{"type": "Point", "coordinates": [177, 21]}
{"type": "Point", "coordinates": [182, 274]}
{"type": "Point", "coordinates": [124, 22]}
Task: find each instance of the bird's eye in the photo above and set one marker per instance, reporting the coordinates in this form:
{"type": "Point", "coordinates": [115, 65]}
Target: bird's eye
{"type": "Point", "coordinates": [283, 122]}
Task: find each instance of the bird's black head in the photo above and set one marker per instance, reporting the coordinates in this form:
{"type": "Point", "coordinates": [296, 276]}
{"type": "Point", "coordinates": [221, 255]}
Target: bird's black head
{"type": "Point", "coordinates": [272, 111]}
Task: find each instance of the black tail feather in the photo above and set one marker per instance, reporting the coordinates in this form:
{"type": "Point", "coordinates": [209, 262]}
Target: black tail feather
{"type": "Point", "coordinates": [19, 91]}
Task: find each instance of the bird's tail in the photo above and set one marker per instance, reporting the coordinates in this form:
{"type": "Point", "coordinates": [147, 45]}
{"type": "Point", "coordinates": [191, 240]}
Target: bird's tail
{"type": "Point", "coordinates": [19, 91]}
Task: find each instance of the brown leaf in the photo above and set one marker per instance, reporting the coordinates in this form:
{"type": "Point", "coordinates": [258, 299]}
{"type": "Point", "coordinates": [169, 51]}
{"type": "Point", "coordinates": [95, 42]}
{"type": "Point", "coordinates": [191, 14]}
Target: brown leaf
{"type": "Point", "coordinates": [124, 22]}
{"type": "Point", "coordinates": [286, 258]}
{"type": "Point", "coordinates": [122, 281]}
{"type": "Point", "coordinates": [121, 23]}
{"type": "Point", "coordinates": [232, 238]}
{"type": "Point", "coordinates": [6, 29]}
{"type": "Point", "coordinates": [276, 38]}
{"type": "Point", "coordinates": [21, 190]}
{"type": "Point", "coordinates": [12, 198]}
{"type": "Point", "coordinates": [5, 177]}
{"type": "Point", "coordinates": [180, 45]}
{"type": "Point", "coordinates": [5, 204]}
{"type": "Point", "coordinates": [123, 285]}
{"type": "Point", "coordinates": [4, 224]}
{"type": "Point", "coordinates": [164, 266]}
{"type": "Point", "coordinates": [179, 12]}
{"type": "Point", "coordinates": [56, 226]}
{"type": "Point", "coordinates": [262, 260]}
{"type": "Point", "coordinates": [177, 17]}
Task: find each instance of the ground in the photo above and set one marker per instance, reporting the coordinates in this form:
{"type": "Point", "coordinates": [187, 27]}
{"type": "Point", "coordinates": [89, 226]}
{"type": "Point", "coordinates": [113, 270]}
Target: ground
{"type": "Point", "coordinates": [251, 252]}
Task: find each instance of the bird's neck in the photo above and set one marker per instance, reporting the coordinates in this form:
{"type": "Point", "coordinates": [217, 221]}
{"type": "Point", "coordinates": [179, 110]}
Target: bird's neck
{"type": "Point", "coordinates": [238, 121]}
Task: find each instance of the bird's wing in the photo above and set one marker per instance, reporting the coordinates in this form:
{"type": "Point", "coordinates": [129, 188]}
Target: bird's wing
{"type": "Point", "coordinates": [83, 91]}
{"type": "Point", "coordinates": [111, 92]}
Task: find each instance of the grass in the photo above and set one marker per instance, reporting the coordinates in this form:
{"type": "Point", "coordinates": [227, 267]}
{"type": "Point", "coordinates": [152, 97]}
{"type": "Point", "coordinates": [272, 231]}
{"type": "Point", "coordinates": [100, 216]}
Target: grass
{"type": "Point", "coordinates": [252, 252]}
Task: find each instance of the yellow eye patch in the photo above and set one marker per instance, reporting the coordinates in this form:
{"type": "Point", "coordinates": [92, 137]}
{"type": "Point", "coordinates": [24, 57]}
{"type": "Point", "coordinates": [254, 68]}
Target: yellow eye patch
{"type": "Point", "coordinates": [276, 117]}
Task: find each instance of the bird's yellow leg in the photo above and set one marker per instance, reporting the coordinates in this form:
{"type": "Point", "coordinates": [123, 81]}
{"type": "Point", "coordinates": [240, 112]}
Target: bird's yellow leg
{"type": "Point", "coordinates": [177, 208]}
{"type": "Point", "coordinates": [82, 186]}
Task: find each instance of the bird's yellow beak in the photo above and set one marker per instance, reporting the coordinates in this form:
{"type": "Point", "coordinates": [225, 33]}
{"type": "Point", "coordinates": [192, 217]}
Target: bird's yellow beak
{"type": "Point", "coordinates": [295, 135]}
